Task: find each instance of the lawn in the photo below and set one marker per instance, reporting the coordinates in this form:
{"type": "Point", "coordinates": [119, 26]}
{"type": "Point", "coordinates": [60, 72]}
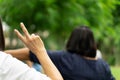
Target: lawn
{"type": "Point", "coordinates": [116, 72]}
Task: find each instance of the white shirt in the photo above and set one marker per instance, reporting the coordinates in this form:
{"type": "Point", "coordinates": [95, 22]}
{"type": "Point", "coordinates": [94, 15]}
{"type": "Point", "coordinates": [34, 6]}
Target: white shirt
{"type": "Point", "coordinates": [98, 54]}
{"type": "Point", "coordinates": [13, 69]}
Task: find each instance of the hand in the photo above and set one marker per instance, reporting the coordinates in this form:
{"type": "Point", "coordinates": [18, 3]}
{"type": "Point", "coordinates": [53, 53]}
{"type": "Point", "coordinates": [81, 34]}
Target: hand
{"type": "Point", "coordinates": [33, 42]}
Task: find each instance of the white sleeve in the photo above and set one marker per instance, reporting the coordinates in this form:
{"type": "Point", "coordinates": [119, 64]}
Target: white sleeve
{"type": "Point", "coordinates": [13, 69]}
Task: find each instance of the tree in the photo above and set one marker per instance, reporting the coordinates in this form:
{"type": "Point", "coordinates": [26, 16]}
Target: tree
{"type": "Point", "coordinates": [55, 19]}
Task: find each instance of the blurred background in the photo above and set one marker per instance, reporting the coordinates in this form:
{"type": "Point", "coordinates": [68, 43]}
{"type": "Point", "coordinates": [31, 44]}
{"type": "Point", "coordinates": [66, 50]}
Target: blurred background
{"type": "Point", "coordinates": [54, 20]}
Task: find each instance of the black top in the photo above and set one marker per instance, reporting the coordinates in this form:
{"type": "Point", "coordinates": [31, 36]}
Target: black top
{"type": "Point", "coordinates": [75, 67]}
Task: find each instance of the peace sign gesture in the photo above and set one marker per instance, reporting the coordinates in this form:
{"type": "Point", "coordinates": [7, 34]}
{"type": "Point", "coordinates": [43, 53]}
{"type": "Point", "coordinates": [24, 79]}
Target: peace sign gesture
{"type": "Point", "coordinates": [33, 42]}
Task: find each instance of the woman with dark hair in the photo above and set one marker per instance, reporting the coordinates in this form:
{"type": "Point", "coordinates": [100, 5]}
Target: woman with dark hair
{"type": "Point", "coordinates": [79, 61]}
{"type": "Point", "coordinates": [82, 42]}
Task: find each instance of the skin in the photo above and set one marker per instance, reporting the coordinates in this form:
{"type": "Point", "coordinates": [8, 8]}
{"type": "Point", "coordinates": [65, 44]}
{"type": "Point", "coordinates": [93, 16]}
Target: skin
{"type": "Point", "coordinates": [21, 54]}
{"type": "Point", "coordinates": [35, 44]}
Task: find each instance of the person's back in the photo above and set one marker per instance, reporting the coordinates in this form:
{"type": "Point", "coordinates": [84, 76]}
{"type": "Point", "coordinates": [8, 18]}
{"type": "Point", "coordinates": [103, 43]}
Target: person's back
{"type": "Point", "coordinates": [74, 67]}
{"type": "Point", "coordinates": [79, 61]}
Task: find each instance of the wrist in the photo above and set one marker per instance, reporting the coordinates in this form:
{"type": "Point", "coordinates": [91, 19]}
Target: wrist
{"type": "Point", "coordinates": [41, 52]}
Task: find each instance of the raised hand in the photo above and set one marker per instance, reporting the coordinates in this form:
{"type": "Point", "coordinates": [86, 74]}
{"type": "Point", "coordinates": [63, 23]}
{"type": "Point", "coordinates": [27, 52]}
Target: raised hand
{"type": "Point", "coordinates": [33, 42]}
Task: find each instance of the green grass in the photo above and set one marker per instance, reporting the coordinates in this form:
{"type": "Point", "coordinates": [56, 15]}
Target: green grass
{"type": "Point", "coordinates": [116, 72]}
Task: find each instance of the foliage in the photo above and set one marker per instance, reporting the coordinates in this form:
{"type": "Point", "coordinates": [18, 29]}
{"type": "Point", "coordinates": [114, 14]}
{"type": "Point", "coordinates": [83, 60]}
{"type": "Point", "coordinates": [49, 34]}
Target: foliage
{"type": "Point", "coordinates": [116, 72]}
{"type": "Point", "coordinates": [55, 19]}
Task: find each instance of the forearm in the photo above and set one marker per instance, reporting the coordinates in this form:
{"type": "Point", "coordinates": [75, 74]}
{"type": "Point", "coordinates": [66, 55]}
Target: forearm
{"type": "Point", "coordinates": [21, 54]}
{"type": "Point", "coordinates": [48, 66]}
{"type": "Point", "coordinates": [29, 63]}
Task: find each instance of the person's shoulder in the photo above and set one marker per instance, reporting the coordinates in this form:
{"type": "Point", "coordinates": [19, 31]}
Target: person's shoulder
{"type": "Point", "coordinates": [3, 55]}
{"type": "Point", "coordinates": [32, 74]}
{"type": "Point", "coordinates": [57, 52]}
{"type": "Point", "coordinates": [103, 62]}
{"type": "Point", "coordinates": [1, 52]}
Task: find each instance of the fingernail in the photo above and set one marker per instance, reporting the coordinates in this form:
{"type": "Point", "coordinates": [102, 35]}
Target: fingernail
{"type": "Point", "coordinates": [15, 30]}
{"type": "Point", "coordinates": [21, 23]}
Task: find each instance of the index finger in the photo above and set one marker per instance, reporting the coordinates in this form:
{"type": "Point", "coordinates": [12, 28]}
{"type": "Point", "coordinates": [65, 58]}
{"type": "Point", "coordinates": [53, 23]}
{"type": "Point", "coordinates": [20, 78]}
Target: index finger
{"type": "Point", "coordinates": [19, 35]}
{"type": "Point", "coordinates": [26, 33]}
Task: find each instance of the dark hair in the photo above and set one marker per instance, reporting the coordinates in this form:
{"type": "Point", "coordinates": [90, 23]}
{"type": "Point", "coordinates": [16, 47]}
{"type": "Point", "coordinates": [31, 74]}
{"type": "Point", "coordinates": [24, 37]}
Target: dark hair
{"type": "Point", "coordinates": [82, 42]}
{"type": "Point", "coordinates": [2, 42]}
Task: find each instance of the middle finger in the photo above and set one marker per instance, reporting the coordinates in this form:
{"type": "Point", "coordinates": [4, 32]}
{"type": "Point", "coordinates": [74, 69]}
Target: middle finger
{"type": "Point", "coordinates": [26, 33]}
